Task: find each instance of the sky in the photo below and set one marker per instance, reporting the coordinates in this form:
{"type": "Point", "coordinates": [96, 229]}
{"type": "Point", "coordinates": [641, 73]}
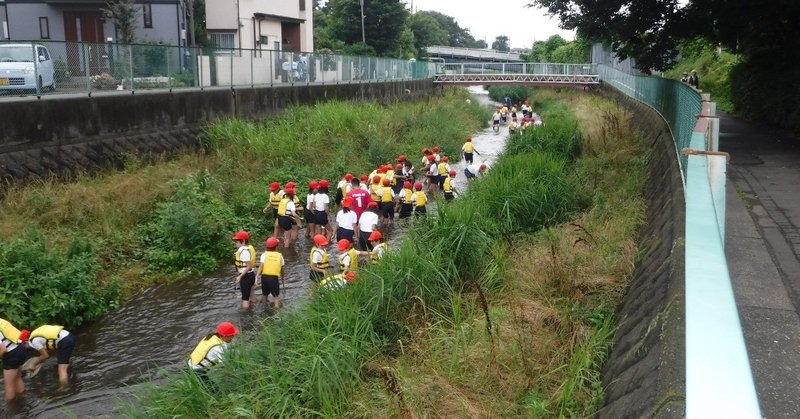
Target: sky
{"type": "Point", "coordinates": [487, 19]}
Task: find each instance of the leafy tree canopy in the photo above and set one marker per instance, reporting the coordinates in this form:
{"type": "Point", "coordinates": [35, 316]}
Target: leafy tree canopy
{"type": "Point", "coordinates": [427, 31]}
{"type": "Point", "coordinates": [384, 23]}
{"type": "Point", "coordinates": [501, 43]}
{"type": "Point", "coordinates": [558, 50]}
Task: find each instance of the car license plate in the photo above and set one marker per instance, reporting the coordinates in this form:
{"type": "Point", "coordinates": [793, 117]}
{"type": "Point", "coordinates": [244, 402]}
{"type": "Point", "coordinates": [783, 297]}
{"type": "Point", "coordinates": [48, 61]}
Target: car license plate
{"type": "Point", "coordinates": [3, 82]}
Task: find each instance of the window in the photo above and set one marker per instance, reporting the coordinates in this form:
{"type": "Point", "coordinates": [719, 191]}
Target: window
{"type": "Point", "coordinates": [223, 40]}
{"type": "Point", "coordinates": [43, 53]}
{"type": "Point", "coordinates": [44, 28]}
{"type": "Point", "coordinates": [148, 15]}
{"type": "Point", "coordinates": [302, 5]}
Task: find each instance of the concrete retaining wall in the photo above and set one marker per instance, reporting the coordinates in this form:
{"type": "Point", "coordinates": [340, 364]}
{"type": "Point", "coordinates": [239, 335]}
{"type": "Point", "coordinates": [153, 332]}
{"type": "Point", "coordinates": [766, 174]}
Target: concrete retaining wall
{"type": "Point", "coordinates": [645, 372]}
{"type": "Point", "coordinates": [61, 135]}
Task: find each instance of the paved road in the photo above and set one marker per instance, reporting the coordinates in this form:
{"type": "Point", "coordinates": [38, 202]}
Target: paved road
{"type": "Point", "coordinates": [763, 250]}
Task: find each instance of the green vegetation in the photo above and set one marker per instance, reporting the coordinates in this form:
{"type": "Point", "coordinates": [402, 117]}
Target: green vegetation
{"type": "Point", "coordinates": [558, 50]}
{"type": "Point", "coordinates": [501, 305]}
{"type": "Point", "coordinates": [71, 251]}
{"type": "Point", "coordinates": [713, 65]}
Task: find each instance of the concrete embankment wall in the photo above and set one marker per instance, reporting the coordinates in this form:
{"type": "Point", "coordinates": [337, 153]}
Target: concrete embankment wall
{"type": "Point", "coordinates": [644, 374]}
{"type": "Point", "coordinates": [63, 135]}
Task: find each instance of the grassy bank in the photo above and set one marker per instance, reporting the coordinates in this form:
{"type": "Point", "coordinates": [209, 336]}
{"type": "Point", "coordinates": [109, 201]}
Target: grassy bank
{"type": "Point", "coordinates": [714, 67]}
{"type": "Point", "coordinates": [92, 242]}
{"type": "Point", "coordinates": [500, 306]}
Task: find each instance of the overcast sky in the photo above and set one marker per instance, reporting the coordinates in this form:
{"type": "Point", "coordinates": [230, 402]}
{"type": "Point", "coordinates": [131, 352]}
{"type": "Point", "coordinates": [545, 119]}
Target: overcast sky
{"type": "Point", "coordinates": [487, 19]}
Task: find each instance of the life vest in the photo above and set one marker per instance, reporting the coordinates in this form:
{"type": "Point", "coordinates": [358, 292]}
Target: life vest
{"type": "Point", "coordinates": [200, 353]}
{"type": "Point", "coordinates": [468, 147]}
{"type": "Point", "coordinates": [272, 263]}
{"type": "Point", "coordinates": [241, 264]}
{"type": "Point", "coordinates": [407, 196]}
{"type": "Point", "coordinates": [353, 260]}
{"type": "Point", "coordinates": [390, 174]}
{"type": "Point", "coordinates": [10, 333]}
{"type": "Point", "coordinates": [48, 332]}
{"type": "Point", "coordinates": [343, 189]}
{"type": "Point", "coordinates": [297, 205]}
{"type": "Point", "coordinates": [386, 194]}
{"type": "Point", "coordinates": [373, 256]}
{"type": "Point", "coordinates": [442, 169]}
{"type": "Point", "coordinates": [282, 207]}
{"type": "Point", "coordinates": [275, 198]}
{"type": "Point", "coordinates": [324, 263]}
{"type": "Point", "coordinates": [447, 185]}
{"type": "Point", "coordinates": [421, 199]}
{"type": "Point", "coordinates": [373, 189]}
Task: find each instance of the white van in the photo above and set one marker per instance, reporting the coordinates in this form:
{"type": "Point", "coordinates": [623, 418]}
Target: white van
{"type": "Point", "coordinates": [19, 70]}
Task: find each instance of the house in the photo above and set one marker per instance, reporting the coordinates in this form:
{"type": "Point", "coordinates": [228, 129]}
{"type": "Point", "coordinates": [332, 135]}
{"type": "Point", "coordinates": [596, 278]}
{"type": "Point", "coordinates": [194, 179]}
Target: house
{"type": "Point", "coordinates": [284, 25]}
{"type": "Point", "coordinates": [83, 20]}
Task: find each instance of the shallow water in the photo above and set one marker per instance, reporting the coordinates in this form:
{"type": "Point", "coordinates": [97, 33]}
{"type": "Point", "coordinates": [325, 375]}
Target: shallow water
{"type": "Point", "coordinates": [152, 334]}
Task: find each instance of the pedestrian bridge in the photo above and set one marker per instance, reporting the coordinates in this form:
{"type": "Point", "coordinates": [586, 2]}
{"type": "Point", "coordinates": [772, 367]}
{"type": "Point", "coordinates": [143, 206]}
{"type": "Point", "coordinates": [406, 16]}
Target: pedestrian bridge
{"type": "Point", "coordinates": [532, 74]}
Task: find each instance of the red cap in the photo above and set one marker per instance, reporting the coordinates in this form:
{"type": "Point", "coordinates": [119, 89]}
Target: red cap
{"type": "Point", "coordinates": [483, 167]}
{"type": "Point", "coordinates": [401, 157]}
{"type": "Point", "coordinates": [313, 184]}
{"type": "Point", "coordinates": [445, 159]}
{"type": "Point", "coordinates": [323, 183]}
{"type": "Point", "coordinates": [418, 186]}
{"type": "Point", "coordinates": [425, 150]}
{"type": "Point", "coordinates": [227, 329]}
{"type": "Point", "coordinates": [386, 182]}
{"type": "Point", "coordinates": [376, 179]}
{"type": "Point", "coordinates": [348, 177]}
{"type": "Point", "coordinates": [272, 242]}
{"type": "Point", "coordinates": [375, 235]}
{"type": "Point", "coordinates": [343, 244]}
{"type": "Point", "coordinates": [291, 184]}
{"type": "Point", "coordinates": [398, 167]}
{"type": "Point", "coordinates": [372, 204]}
{"type": "Point", "coordinates": [436, 149]}
{"type": "Point", "coordinates": [382, 169]}
{"type": "Point", "coordinates": [452, 173]}
{"type": "Point", "coordinates": [469, 138]}
{"type": "Point", "coordinates": [241, 235]}
{"type": "Point", "coordinates": [289, 190]}
{"type": "Point", "coordinates": [320, 240]}
{"type": "Point", "coordinates": [274, 186]}
{"type": "Point", "coordinates": [407, 185]}
{"type": "Point", "coordinates": [350, 276]}
{"type": "Point", "coordinates": [431, 157]}
{"type": "Point", "coordinates": [24, 334]}
{"type": "Point", "coordinates": [347, 202]}
{"type": "Point", "coordinates": [364, 177]}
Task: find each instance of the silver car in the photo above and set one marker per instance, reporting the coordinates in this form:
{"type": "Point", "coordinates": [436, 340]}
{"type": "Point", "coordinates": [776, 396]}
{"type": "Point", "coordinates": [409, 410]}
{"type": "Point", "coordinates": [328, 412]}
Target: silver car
{"type": "Point", "coordinates": [19, 70]}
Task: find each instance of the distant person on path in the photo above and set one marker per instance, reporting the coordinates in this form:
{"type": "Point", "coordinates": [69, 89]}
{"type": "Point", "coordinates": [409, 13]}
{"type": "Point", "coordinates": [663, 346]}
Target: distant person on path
{"type": "Point", "coordinates": [473, 170]}
{"type": "Point", "coordinates": [270, 271]}
{"type": "Point", "coordinates": [244, 260]}
{"type": "Point", "coordinates": [13, 354]}
{"type": "Point", "coordinates": [685, 78]}
{"type": "Point", "coordinates": [694, 81]}
{"type": "Point", "coordinates": [50, 337]}
{"type": "Point", "coordinates": [496, 120]}
{"type": "Point", "coordinates": [209, 351]}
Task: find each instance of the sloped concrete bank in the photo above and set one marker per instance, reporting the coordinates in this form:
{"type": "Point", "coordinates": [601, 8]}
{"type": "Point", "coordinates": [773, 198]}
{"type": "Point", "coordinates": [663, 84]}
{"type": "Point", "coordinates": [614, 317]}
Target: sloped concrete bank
{"type": "Point", "coordinates": [644, 374]}
{"type": "Point", "coordinates": [63, 135]}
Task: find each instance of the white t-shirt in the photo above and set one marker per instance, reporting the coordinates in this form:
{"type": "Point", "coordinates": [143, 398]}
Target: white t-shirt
{"type": "Point", "coordinates": [344, 259]}
{"type": "Point", "coordinates": [368, 221]}
{"type": "Point", "coordinates": [436, 157]}
{"type": "Point", "coordinates": [474, 169]}
{"type": "Point", "coordinates": [364, 186]}
{"type": "Point", "coordinates": [39, 342]}
{"type": "Point", "coordinates": [310, 200]}
{"type": "Point", "coordinates": [10, 347]}
{"type": "Point", "coordinates": [379, 251]}
{"type": "Point", "coordinates": [346, 220]}
{"type": "Point", "coordinates": [434, 170]}
{"type": "Point", "coordinates": [289, 208]}
{"type": "Point", "coordinates": [496, 116]}
{"type": "Point", "coordinates": [245, 255]}
{"type": "Point", "coordinates": [321, 200]}
{"type": "Point", "coordinates": [263, 259]}
{"type": "Point", "coordinates": [316, 257]}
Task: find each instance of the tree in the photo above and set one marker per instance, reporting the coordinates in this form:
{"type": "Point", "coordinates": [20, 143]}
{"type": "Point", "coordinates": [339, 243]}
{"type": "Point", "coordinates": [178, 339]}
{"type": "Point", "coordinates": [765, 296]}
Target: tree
{"type": "Point", "coordinates": [124, 14]}
{"type": "Point", "coordinates": [427, 31]}
{"type": "Point", "coordinates": [383, 25]}
{"type": "Point", "coordinates": [501, 43]}
{"type": "Point", "coordinates": [456, 35]}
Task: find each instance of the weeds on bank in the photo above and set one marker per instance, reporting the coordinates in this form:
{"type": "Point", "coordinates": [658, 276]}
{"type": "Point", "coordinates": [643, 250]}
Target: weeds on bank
{"type": "Point", "coordinates": [172, 219]}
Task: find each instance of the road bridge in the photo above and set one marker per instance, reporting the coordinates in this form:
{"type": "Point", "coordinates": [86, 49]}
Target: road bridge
{"type": "Point", "coordinates": [457, 54]}
{"type": "Point", "coordinates": [531, 74]}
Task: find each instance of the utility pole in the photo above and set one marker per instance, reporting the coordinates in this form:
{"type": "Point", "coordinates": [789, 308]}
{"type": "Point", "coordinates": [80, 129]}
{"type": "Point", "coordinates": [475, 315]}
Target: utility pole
{"type": "Point", "coordinates": [363, 36]}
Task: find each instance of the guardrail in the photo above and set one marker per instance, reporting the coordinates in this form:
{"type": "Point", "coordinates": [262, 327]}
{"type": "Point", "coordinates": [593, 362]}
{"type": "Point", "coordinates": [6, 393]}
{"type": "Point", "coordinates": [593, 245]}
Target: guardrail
{"type": "Point", "coordinates": [81, 67]}
{"type": "Point", "coordinates": [719, 381]}
{"type": "Point", "coordinates": [518, 68]}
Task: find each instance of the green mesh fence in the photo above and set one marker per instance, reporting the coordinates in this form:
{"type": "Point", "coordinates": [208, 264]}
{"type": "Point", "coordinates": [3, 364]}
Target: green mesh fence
{"type": "Point", "coordinates": [676, 102]}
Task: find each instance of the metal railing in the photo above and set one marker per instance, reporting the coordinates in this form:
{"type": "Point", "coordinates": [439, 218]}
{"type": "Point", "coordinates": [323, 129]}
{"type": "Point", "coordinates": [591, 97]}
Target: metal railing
{"type": "Point", "coordinates": [719, 381]}
{"type": "Point", "coordinates": [518, 68]}
{"type": "Point", "coordinates": [81, 67]}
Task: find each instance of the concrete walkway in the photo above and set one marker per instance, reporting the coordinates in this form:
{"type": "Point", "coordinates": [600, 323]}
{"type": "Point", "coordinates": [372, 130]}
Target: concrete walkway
{"type": "Point", "coordinates": [763, 250]}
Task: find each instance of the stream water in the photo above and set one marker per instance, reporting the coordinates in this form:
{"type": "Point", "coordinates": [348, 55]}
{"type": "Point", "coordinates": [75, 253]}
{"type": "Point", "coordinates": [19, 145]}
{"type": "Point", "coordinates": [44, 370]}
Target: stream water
{"type": "Point", "coordinates": [152, 334]}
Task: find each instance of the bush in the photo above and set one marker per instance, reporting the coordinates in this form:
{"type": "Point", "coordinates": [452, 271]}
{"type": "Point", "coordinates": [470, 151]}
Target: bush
{"type": "Point", "coordinates": [60, 71]}
{"type": "Point", "coordinates": [104, 81]}
{"type": "Point", "coordinates": [190, 231]}
{"type": "Point", "coordinates": [518, 94]}
{"type": "Point", "coordinates": [40, 285]}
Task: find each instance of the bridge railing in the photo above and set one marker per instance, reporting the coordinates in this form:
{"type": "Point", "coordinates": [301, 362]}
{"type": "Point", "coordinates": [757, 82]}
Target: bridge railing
{"type": "Point", "coordinates": [83, 67]}
{"type": "Point", "coordinates": [719, 380]}
{"type": "Point", "coordinates": [519, 68]}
